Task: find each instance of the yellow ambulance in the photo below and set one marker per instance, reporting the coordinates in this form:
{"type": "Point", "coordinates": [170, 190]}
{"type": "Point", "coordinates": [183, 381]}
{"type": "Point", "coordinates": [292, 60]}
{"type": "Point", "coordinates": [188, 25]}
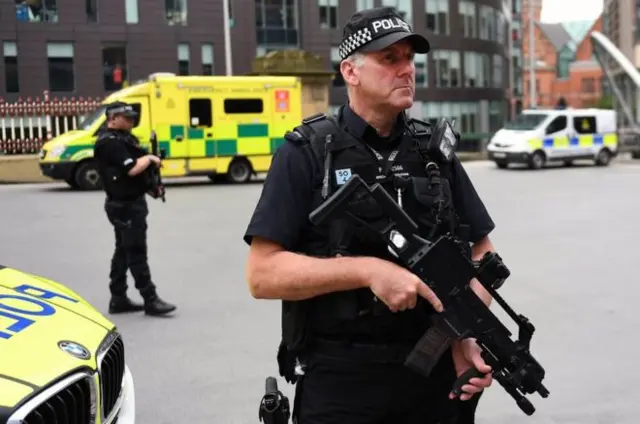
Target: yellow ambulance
{"type": "Point", "coordinates": [211, 126]}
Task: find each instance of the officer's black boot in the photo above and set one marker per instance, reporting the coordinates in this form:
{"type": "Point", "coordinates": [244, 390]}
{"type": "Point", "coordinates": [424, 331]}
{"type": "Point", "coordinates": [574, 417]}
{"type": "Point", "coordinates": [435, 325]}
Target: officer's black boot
{"type": "Point", "coordinates": [157, 306]}
{"type": "Point", "coordinates": [122, 304]}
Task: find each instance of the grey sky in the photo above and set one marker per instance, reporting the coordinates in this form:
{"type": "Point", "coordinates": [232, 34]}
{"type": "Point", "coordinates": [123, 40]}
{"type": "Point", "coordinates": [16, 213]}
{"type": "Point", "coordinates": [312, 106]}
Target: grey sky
{"type": "Point", "coordinates": [577, 10]}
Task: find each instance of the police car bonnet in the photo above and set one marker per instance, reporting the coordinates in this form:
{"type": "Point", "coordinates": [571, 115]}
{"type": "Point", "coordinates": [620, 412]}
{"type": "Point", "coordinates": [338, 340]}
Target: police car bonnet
{"type": "Point", "coordinates": [375, 29]}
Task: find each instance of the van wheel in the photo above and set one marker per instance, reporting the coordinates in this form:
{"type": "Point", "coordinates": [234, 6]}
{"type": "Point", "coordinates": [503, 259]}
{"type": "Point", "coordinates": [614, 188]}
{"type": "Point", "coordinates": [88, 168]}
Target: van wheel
{"type": "Point", "coordinates": [239, 171]}
{"type": "Point", "coordinates": [635, 154]}
{"type": "Point", "coordinates": [502, 164]}
{"type": "Point", "coordinates": [87, 176]}
{"type": "Point", "coordinates": [603, 158]}
{"type": "Point", "coordinates": [537, 160]}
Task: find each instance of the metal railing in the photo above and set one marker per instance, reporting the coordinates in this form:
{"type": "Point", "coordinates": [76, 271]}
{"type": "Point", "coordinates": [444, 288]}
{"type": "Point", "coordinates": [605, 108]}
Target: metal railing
{"type": "Point", "coordinates": [28, 123]}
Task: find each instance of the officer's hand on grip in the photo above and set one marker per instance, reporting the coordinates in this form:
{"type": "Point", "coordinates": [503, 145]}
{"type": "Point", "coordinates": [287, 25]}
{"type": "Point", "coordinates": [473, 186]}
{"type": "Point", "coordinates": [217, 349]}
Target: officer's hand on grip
{"type": "Point", "coordinates": [155, 159]}
{"type": "Point", "coordinates": [397, 287]}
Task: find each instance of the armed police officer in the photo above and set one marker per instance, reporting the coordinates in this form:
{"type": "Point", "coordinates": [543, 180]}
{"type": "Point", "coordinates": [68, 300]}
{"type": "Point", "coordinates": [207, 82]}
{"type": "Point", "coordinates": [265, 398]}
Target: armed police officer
{"type": "Point", "coordinates": [124, 169]}
{"type": "Point", "coordinates": [351, 314]}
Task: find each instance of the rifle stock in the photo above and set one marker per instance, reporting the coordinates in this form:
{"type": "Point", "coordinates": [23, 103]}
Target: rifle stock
{"type": "Point", "coordinates": [444, 267]}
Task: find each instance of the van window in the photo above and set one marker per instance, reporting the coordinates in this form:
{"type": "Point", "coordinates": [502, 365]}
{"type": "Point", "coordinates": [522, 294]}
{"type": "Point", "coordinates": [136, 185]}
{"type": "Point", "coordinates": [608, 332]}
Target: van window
{"type": "Point", "coordinates": [138, 108]}
{"type": "Point", "coordinates": [526, 121]}
{"type": "Point", "coordinates": [232, 106]}
{"type": "Point", "coordinates": [201, 109]}
{"type": "Point", "coordinates": [558, 124]}
{"type": "Point", "coordinates": [585, 124]}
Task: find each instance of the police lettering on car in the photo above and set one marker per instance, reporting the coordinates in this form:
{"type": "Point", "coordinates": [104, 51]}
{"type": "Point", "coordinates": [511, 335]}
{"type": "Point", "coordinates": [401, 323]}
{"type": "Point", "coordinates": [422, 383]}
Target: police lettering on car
{"type": "Point", "coordinates": [23, 309]}
{"type": "Point", "coordinates": [350, 314]}
{"type": "Point", "coordinates": [124, 169]}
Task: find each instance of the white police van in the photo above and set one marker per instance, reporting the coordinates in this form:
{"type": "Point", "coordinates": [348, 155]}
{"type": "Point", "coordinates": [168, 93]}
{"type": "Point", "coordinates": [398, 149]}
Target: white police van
{"type": "Point", "coordinates": [538, 136]}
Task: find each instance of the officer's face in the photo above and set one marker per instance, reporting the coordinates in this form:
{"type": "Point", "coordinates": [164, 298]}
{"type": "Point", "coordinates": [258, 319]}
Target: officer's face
{"type": "Point", "coordinates": [122, 122]}
{"type": "Point", "coordinates": [387, 77]}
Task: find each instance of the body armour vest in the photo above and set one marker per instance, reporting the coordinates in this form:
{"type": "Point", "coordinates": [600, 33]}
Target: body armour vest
{"type": "Point", "coordinates": [117, 184]}
{"type": "Point", "coordinates": [420, 186]}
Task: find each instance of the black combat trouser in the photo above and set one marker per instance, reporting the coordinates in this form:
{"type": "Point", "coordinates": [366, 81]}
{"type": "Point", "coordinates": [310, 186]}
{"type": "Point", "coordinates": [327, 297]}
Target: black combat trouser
{"type": "Point", "coordinates": [129, 220]}
{"type": "Point", "coordinates": [348, 388]}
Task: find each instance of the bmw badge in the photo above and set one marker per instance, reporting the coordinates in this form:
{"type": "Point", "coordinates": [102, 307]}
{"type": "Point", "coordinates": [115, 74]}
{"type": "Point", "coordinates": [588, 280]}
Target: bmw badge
{"type": "Point", "coordinates": [74, 349]}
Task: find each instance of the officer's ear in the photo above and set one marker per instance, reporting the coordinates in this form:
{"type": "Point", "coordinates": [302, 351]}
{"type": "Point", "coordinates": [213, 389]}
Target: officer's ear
{"type": "Point", "coordinates": [350, 69]}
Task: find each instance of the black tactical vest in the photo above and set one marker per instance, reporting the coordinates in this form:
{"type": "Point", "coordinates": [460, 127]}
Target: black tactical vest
{"type": "Point", "coordinates": [421, 186]}
{"type": "Point", "coordinates": [116, 183]}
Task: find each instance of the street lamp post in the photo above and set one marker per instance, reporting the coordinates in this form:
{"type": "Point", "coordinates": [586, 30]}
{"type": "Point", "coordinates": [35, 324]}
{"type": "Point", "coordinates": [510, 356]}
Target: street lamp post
{"type": "Point", "coordinates": [227, 38]}
{"type": "Point", "coordinates": [532, 58]}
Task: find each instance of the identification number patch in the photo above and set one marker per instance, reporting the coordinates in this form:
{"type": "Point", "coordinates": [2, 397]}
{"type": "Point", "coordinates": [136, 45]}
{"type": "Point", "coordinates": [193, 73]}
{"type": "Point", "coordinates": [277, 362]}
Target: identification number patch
{"type": "Point", "coordinates": [342, 176]}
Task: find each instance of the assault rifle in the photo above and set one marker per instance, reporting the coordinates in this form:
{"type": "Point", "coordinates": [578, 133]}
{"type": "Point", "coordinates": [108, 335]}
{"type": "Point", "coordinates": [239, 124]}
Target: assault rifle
{"type": "Point", "coordinates": [444, 267]}
{"type": "Point", "coordinates": [157, 187]}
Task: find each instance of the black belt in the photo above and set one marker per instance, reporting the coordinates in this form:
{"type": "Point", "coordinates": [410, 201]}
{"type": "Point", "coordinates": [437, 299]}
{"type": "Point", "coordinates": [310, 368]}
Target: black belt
{"type": "Point", "coordinates": [361, 352]}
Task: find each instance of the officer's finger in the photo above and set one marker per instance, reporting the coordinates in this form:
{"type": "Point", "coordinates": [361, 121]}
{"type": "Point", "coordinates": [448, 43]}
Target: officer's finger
{"type": "Point", "coordinates": [425, 292]}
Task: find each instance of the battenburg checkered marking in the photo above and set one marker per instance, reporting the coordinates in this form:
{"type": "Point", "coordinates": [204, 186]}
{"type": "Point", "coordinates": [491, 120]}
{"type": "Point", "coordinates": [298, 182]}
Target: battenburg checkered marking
{"type": "Point", "coordinates": [354, 42]}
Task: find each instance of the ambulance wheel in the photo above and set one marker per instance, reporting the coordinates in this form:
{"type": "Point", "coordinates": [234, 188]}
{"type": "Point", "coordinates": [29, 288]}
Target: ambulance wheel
{"type": "Point", "coordinates": [537, 160]}
{"type": "Point", "coordinates": [86, 176]}
{"type": "Point", "coordinates": [603, 158]}
{"type": "Point", "coordinates": [239, 171]}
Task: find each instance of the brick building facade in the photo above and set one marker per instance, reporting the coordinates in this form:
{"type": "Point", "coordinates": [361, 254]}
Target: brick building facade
{"type": "Point", "coordinates": [93, 47]}
{"type": "Point", "coordinates": [565, 66]}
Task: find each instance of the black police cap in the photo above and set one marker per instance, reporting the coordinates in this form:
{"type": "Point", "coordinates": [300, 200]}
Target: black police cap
{"type": "Point", "coordinates": [120, 108]}
{"type": "Point", "coordinates": [376, 29]}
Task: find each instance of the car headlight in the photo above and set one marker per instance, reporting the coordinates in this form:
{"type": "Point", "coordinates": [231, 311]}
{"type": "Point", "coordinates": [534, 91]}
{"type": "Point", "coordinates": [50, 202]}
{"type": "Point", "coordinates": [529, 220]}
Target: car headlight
{"type": "Point", "coordinates": [57, 151]}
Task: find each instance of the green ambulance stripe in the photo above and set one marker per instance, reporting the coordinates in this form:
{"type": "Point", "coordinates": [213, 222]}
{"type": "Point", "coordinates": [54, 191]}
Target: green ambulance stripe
{"type": "Point", "coordinates": [222, 147]}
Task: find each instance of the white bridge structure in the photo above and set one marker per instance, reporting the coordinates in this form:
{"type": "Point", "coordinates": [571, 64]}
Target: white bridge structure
{"type": "Point", "coordinates": [624, 82]}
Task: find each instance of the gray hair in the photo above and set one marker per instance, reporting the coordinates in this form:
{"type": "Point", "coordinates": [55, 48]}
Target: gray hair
{"type": "Point", "coordinates": [356, 58]}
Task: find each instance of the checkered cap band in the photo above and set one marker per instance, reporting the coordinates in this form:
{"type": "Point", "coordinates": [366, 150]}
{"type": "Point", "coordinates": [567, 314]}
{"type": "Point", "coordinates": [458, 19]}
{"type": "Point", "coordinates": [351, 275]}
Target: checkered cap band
{"type": "Point", "coordinates": [121, 109]}
{"type": "Point", "coordinates": [354, 42]}
{"type": "Point", "coordinates": [375, 29]}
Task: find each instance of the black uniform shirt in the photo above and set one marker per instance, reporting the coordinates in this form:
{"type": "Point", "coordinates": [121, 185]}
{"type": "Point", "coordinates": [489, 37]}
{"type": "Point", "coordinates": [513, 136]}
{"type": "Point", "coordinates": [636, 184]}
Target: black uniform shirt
{"type": "Point", "coordinates": [281, 214]}
{"type": "Point", "coordinates": [116, 153]}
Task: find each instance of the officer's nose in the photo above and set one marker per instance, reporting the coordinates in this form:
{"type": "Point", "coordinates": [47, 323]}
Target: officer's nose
{"type": "Point", "coordinates": [407, 68]}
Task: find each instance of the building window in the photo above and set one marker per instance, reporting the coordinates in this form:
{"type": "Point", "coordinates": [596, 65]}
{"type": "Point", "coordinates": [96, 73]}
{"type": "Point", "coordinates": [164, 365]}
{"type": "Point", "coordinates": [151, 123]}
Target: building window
{"type": "Point", "coordinates": [501, 28]}
{"type": "Point", "coordinates": [422, 70]}
{"type": "Point", "coordinates": [469, 18]}
{"type": "Point", "coordinates": [328, 13]}
{"type": "Point", "coordinates": [588, 85]}
{"type": "Point", "coordinates": [37, 11]}
{"type": "Point", "coordinates": [176, 12]}
{"type": "Point", "coordinates": [471, 74]}
{"type": "Point", "coordinates": [404, 8]}
{"type": "Point", "coordinates": [486, 22]}
{"type": "Point", "coordinates": [207, 59]}
{"type": "Point", "coordinates": [484, 68]}
{"type": "Point", "coordinates": [277, 23]}
{"type": "Point", "coordinates": [61, 72]}
{"type": "Point", "coordinates": [497, 114]}
{"type": "Point", "coordinates": [364, 4]}
{"type": "Point", "coordinates": [114, 63]}
{"type": "Point", "coordinates": [447, 64]}
{"type": "Point", "coordinates": [183, 59]}
{"type": "Point", "coordinates": [10, 52]}
{"type": "Point", "coordinates": [438, 16]}
{"type": "Point", "coordinates": [498, 71]}
{"type": "Point", "coordinates": [131, 11]}
{"type": "Point", "coordinates": [92, 10]}
{"type": "Point", "coordinates": [338, 81]}
{"type": "Point", "coordinates": [466, 114]}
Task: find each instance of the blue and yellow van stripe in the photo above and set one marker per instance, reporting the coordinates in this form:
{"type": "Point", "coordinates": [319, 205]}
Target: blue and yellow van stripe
{"type": "Point", "coordinates": [585, 140]}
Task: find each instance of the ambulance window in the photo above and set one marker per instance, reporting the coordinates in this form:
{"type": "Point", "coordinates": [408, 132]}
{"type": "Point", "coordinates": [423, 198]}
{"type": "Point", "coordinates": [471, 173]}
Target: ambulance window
{"type": "Point", "coordinates": [558, 124]}
{"type": "Point", "coordinates": [243, 106]}
{"type": "Point", "coordinates": [201, 109]}
{"type": "Point", "coordinates": [584, 124]}
{"type": "Point", "coordinates": [138, 108]}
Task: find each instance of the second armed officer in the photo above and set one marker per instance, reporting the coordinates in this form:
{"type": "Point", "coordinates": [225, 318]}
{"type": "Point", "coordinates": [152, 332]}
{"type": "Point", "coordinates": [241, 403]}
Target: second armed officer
{"type": "Point", "coordinates": [124, 169]}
